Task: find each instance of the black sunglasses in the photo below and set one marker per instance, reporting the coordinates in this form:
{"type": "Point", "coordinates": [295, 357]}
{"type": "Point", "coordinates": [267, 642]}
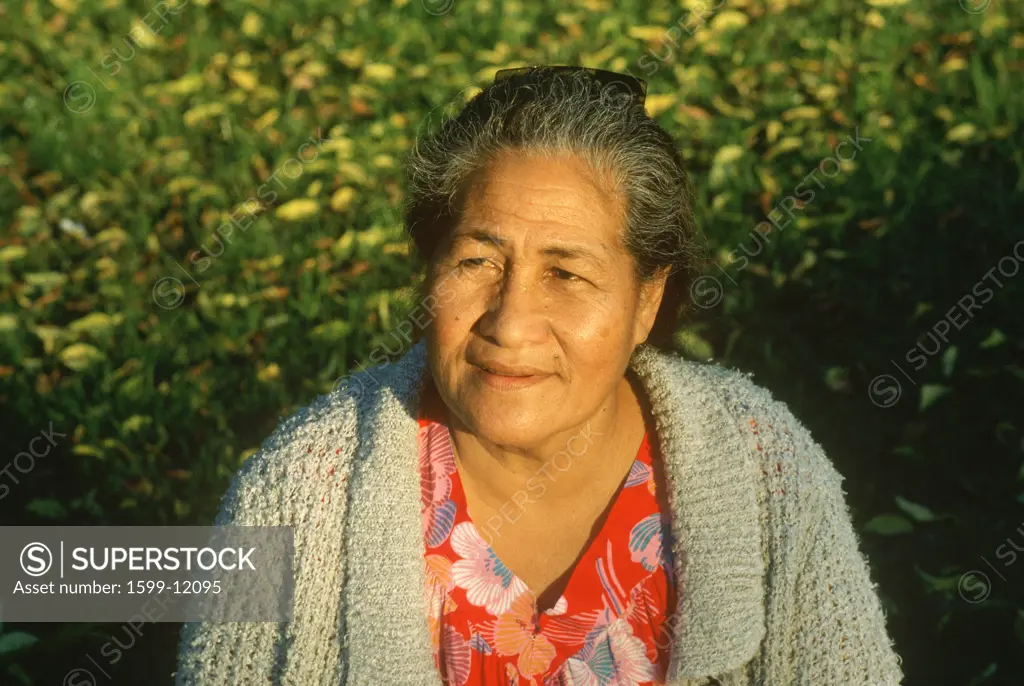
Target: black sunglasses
{"type": "Point", "coordinates": [623, 84]}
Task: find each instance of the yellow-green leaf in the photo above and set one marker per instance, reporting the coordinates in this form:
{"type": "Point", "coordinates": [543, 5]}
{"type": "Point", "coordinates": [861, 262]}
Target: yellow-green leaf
{"type": "Point", "coordinates": [802, 112]}
{"type": "Point", "coordinates": [181, 184]}
{"type": "Point", "coordinates": [827, 92]}
{"type": "Point", "coordinates": [953, 64]}
{"type": "Point", "coordinates": [50, 336]}
{"type": "Point", "coordinates": [80, 356]}
{"type": "Point", "coordinates": [728, 20]}
{"type": "Point", "coordinates": [787, 144]}
{"type": "Point", "coordinates": [95, 322]}
{"type": "Point", "coordinates": [342, 198]}
{"type": "Point", "coordinates": [380, 72]}
{"type": "Point", "coordinates": [186, 85]}
{"type": "Point", "coordinates": [266, 119]}
{"type": "Point", "coordinates": [252, 24]}
{"type": "Point", "coordinates": [961, 133]}
{"type": "Point", "coordinates": [656, 104]}
{"type": "Point", "coordinates": [647, 33]}
{"type": "Point", "coordinates": [12, 253]}
{"type": "Point", "coordinates": [298, 209]}
{"type": "Point", "coordinates": [244, 79]}
{"type": "Point", "coordinates": [332, 331]}
{"type": "Point", "coordinates": [89, 450]}
{"type": "Point", "coordinates": [874, 19]}
{"type": "Point", "coordinates": [344, 246]}
{"type": "Point", "coordinates": [46, 279]}
{"type": "Point", "coordinates": [115, 235]}
{"type": "Point", "coordinates": [135, 423]}
{"type": "Point", "coordinates": [727, 155]}
{"type": "Point", "coordinates": [201, 113]}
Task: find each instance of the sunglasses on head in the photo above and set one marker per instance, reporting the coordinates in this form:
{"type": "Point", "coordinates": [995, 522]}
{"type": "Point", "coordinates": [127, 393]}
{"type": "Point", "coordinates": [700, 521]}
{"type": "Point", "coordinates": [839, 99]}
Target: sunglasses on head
{"type": "Point", "coordinates": [622, 84]}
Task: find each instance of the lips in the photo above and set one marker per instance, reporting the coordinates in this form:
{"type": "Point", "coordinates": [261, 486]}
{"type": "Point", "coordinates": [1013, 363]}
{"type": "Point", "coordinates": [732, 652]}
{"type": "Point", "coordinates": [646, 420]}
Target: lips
{"type": "Point", "coordinates": [509, 370]}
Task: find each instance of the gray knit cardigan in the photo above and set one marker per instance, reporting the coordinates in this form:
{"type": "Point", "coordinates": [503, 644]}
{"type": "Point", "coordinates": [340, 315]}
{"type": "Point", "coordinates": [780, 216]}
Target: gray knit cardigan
{"type": "Point", "coordinates": [773, 588]}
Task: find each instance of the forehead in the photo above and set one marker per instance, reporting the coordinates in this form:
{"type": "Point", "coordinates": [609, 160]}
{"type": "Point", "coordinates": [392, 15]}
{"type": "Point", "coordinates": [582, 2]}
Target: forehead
{"type": "Point", "coordinates": [518, 193]}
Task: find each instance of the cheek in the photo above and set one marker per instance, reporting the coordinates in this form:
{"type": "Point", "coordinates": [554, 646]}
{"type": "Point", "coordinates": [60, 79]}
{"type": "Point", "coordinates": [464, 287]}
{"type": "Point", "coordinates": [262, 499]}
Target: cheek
{"type": "Point", "coordinates": [594, 319]}
{"type": "Point", "coordinates": [455, 305]}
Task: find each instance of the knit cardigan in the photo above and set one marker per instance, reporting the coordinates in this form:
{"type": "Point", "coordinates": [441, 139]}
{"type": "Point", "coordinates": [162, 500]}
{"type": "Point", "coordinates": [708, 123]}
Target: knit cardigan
{"type": "Point", "coordinates": [773, 589]}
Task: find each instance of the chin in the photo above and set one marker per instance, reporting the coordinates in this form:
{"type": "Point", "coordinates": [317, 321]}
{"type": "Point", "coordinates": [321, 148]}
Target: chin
{"type": "Point", "coordinates": [505, 425]}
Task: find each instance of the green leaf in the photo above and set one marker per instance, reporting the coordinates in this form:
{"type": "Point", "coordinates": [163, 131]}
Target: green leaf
{"type": "Point", "coordinates": [921, 308]}
{"type": "Point", "coordinates": [983, 678]}
{"type": "Point", "coordinates": [919, 512]}
{"type": "Point", "coordinates": [995, 338]}
{"type": "Point", "coordinates": [1018, 626]}
{"type": "Point", "coordinates": [80, 356]}
{"type": "Point", "coordinates": [695, 346]}
{"type": "Point", "coordinates": [948, 360]}
{"type": "Point", "coordinates": [15, 641]}
{"type": "Point", "coordinates": [90, 450]}
{"type": "Point", "coordinates": [929, 394]}
{"type": "Point", "coordinates": [837, 379]}
{"type": "Point", "coordinates": [889, 525]}
{"type": "Point", "coordinates": [46, 507]}
{"type": "Point", "coordinates": [939, 583]}
{"type": "Point", "coordinates": [46, 280]}
{"type": "Point", "coordinates": [136, 423]}
{"type": "Point", "coordinates": [332, 332]}
{"type": "Point", "coordinates": [95, 322]}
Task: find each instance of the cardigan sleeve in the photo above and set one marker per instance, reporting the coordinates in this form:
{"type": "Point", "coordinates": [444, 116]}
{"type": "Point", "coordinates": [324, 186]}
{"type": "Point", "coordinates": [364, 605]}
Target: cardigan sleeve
{"type": "Point", "coordinates": [297, 479]}
{"type": "Point", "coordinates": [229, 653]}
{"type": "Point", "coordinates": [837, 632]}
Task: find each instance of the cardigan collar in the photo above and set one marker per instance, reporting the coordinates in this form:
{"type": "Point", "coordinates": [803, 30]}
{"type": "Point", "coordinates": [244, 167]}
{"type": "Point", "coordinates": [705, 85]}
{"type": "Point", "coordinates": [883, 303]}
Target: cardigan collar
{"type": "Point", "coordinates": [711, 474]}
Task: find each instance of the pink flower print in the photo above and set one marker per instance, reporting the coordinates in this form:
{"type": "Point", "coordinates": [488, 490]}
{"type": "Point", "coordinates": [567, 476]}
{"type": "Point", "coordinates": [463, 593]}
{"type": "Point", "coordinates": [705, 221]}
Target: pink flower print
{"type": "Point", "coordinates": [559, 608]}
{"type": "Point", "coordinates": [645, 543]}
{"type": "Point", "coordinates": [613, 656]}
{"type": "Point", "coordinates": [458, 657]}
{"type": "Point", "coordinates": [486, 579]}
{"type": "Point", "coordinates": [437, 464]}
{"type": "Point", "coordinates": [639, 473]}
{"type": "Point", "coordinates": [438, 520]}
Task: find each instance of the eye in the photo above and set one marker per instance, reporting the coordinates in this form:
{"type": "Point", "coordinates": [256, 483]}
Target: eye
{"type": "Point", "coordinates": [563, 275]}
{"type": "Point", "coordinates": [472, 262]}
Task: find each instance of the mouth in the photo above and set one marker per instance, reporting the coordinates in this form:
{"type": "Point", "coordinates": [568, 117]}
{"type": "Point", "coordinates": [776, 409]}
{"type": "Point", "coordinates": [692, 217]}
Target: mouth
{"type": "Point", "coordinates": [505, 378]}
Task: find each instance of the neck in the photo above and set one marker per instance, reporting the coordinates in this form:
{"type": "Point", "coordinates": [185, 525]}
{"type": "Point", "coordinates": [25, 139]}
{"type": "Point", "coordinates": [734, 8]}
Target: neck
{"type": "Point", "coordinates": [564, 462]}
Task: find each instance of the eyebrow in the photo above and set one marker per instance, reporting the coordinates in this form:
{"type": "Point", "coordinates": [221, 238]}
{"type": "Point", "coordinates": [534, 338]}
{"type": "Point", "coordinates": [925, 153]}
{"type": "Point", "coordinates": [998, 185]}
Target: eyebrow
{"type": "Point", "coordinates": [557, 249]}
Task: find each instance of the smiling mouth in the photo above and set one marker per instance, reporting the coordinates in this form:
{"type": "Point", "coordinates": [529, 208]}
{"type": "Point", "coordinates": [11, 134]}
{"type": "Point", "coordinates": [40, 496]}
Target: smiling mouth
{"type": "Point", "coordinates": [506, 380]}
{"type": "Point", "coordinates": [511, 376]}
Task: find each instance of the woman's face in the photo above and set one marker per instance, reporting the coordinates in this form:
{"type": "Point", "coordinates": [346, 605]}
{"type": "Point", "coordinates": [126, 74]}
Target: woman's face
{"type": "Point", "coordinates": [537, 310]}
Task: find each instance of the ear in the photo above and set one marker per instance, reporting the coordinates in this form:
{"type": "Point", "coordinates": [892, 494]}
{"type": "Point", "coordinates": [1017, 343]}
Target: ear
{"type": "Point", "coordinates": [651, 293]}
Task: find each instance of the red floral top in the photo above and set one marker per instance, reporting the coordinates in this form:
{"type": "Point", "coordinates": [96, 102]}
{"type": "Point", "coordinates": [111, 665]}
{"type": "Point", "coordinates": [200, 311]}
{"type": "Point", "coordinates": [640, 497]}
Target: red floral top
{"type": "Point", "coordinates": [607, 628]}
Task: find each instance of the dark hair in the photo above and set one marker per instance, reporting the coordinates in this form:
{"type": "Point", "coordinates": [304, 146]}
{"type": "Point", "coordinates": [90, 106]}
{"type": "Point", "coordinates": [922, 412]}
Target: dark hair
{"type": "Point", "coordinates": [549, 112]}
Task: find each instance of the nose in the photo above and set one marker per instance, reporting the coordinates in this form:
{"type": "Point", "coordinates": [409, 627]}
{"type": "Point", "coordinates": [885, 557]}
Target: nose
{"type": "Point", "coordinates": [516, 314]}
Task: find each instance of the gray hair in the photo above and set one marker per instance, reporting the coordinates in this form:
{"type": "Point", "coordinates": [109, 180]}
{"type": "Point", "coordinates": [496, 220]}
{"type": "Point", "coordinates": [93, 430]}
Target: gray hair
{"type": "Point", "coordinates": [544, 112]}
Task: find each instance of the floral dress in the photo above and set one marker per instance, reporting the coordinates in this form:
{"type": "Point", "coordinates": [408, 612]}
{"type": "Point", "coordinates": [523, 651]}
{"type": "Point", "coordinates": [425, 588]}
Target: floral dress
{"type": "Point", "coordinates": [608, 628]}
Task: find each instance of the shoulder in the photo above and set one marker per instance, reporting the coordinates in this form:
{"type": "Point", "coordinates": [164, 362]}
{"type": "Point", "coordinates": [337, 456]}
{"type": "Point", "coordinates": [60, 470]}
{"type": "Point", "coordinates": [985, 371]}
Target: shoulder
{"type": "Point", "coordinates": [312, 449]}
{"type": "Point", "coordinates": [289, 460]}
{"type": "Point", "coordinates": [791, 461]}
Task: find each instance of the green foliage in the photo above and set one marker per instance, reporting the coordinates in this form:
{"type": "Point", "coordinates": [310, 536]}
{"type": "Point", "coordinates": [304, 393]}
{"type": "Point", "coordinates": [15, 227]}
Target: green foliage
{"type": "Point", "coordinates": [166, 352]}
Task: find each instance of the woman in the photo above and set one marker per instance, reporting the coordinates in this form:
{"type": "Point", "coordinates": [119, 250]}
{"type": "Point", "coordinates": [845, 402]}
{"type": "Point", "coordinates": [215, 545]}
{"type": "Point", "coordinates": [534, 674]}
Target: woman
{"type": "Point", "coordinates": [537, 493]}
